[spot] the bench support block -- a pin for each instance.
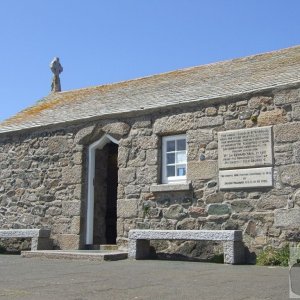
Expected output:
(139, 249)
(41, 243)
(233, 252)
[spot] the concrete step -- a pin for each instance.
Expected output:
(95, 255)
(108, 247)
(103, 247)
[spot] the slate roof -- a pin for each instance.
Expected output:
(200, 83)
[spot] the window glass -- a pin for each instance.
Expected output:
(181, 170)
(170, 146)
(170, 171)
(170, 158)
(180, 157)
(174, 158)
(181, 144)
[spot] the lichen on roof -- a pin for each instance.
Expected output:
(205, 82)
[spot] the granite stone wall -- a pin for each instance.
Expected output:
(41, 184)
(267, 216)
(43, 174)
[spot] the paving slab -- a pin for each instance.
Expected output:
(96, 255)
(42, 278)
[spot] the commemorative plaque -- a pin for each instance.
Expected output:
(245, 148)
(245, 178)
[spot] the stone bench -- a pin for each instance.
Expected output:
(139, 241)
(39, 237)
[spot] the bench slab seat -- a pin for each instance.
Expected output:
(39, 237)
(139, 241)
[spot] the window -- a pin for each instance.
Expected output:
(174, 159)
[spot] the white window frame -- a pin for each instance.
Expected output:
(171, 179)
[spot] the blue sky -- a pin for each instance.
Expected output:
(108, 41)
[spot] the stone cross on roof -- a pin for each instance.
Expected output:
(56, 69)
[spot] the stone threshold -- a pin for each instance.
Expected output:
(93, 255)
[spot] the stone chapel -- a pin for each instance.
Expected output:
(209, 147)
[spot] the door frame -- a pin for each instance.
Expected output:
(91, 176)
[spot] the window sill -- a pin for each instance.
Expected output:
(171, 187)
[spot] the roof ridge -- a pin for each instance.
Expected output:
(177, 70)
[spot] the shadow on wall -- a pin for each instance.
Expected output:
(202, 251)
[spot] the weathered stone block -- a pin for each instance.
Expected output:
(132, 189)
(117, 129)
(287, 97)
(187, 224)
(296, 152)
(82, 135)
(75, 225)
(209, 121)
(214, 198)
(72, 175)
(175, 211)
(198, 193)
(212, 145)
(136, 158)
(68, 241)
(127, 208)
(251, 228)
(71, 208)
(211, 111)
(218, 219)
(283, 148)
(58, 144)
(174, 124)
(54, 211)
(123, 154)
(272, 117)
(241, 103)
(196, 212)
(152, 157)
(203, 136)
(218, 209)
(5, 174)
(287, 217)
(38, 210)
(142, 124)
(258, 101)
(146, 175)
(206, 169)
(126, 175)
(296, 112)
(241, 205)
(289, 132)
(77, 158)
(271, 202)
(146, 142)
(120, 227)
(245, 113)
(283, 158)
(296, 197)
(290, 174)
(234, 124)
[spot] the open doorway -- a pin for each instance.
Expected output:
(105, 195)
(102, 192)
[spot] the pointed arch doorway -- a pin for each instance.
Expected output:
(101, 220)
